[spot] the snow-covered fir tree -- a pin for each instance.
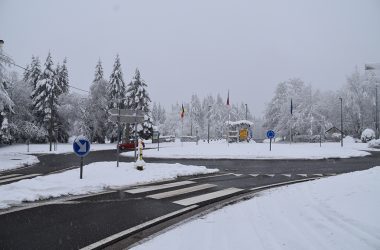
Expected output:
(116, 86)
(45, 100)
(138, 99)
(33, 72)
(116, 96)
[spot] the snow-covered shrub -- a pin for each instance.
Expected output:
(349, 139)
(367, 135)
(374, 144)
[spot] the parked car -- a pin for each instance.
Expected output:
(129, 145)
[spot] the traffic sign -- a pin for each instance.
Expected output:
(128, 119)
(270, 134)
(81, 146)
(126, 112)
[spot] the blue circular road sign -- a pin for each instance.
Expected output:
(81, 146)
(270, 134)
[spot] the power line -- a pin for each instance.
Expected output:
(11, 62)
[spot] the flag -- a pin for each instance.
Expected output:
(182, 112)
(228, 98)
(291, 106)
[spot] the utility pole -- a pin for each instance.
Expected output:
(341, 121)
(377, 114)
(51, 119)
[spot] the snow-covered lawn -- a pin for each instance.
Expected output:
(222, 150)
(340, 212)
(96, 178)
(16, 155)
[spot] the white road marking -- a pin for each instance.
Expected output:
(287, 175)
(254, 175)
(270, 175)
(212, 176)
(158, 187)
(8, 176)
(281, 183)
(209, 196)
(181, 191)
(19, 178)
(320, 175)
(332, 174)
(136, 228)
(304, 175)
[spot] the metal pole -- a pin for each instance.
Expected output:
(270, 144)
(81, 167)
(377, 115)
(118, 135)
(51, 121)
(136, 136)
(158, 141)
(341, 121)
(208, 125)
(246, 112)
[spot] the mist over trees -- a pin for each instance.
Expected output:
(314, 111)
(40, 105)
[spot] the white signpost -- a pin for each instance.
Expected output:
(126, 116)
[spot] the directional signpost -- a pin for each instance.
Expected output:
(270, 135)
(81, 146)
(126, 116)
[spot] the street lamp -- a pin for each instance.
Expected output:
(341, 121)
(368, 67)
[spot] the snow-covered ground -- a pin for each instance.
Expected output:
(340, 212)
(17, 155)
(96, 178)
(223, 150)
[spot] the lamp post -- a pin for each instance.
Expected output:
(370, 67)
(341, 121)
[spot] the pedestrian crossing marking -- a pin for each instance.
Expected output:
(181, 191)
(19, 178)
(304, 175)
(9, 176)
(208, 196)
(158, 187)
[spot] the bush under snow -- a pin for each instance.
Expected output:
(367, 135)
(374, 144)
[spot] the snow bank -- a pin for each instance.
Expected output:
(11, 160)
(222, 150)
(17, 155)
(374, 144)
(96, 177)
(340, 212)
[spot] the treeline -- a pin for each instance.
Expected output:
(314, 111)
(40, 106)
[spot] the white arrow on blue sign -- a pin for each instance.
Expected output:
(81, 146)
(270, 134)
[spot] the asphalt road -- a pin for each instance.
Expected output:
(76, 222)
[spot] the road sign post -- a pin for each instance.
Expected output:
(126, 116)
(270, 135)
(81, 147)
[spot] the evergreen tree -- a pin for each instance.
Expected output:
(45, 100)
(33, 72)
(63, 77)
(116, 96)
(138, 99)
(116, 87)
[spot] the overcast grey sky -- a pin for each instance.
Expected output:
(199, 46)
